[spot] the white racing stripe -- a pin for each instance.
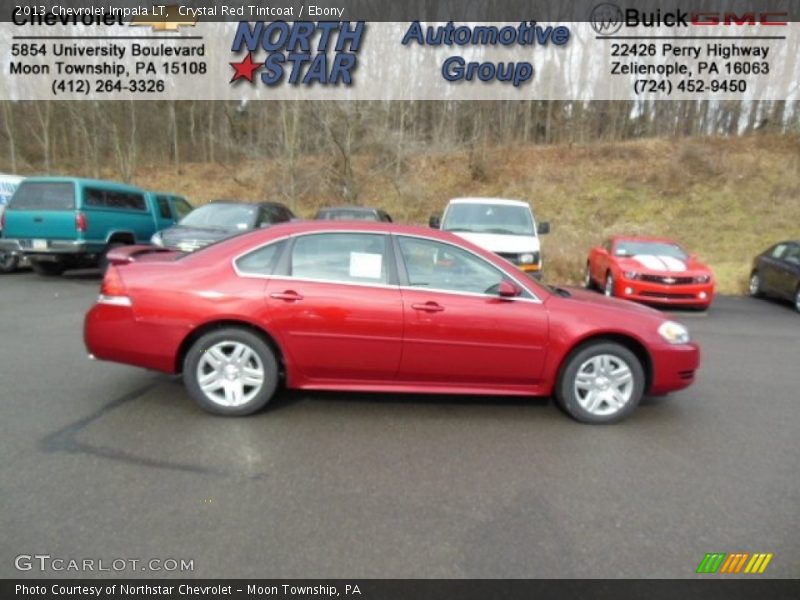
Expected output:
(660, 263)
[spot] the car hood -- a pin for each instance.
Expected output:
(659, 264)
(190, 238)
(616, 304)
(501, 243)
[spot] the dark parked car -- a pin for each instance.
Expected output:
(352, 213)
(776, 272)
(219, 220)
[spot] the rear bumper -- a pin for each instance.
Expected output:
(112, 333)
(674, 367)
(53, 248)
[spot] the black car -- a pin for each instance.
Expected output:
(776, 272)
(352, 213)
(218, 220)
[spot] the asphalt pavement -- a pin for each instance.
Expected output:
(104, 461)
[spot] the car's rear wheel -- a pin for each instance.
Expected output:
(601, 382)
(609, 288)
(797, 299)
(588, 282)
(754, 286)
(47, 268)
(231, 372)
(8, 262)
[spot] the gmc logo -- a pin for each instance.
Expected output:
(729, 18)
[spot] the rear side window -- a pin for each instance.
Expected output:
(261, 261)
(345, 257)
(113, 199)
(163, 207)
(43, 196)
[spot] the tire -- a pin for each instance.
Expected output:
(596, 398)
(588, 282)
(754, 285)
(48, 269)
(8, 262)
(608, 290)
(230, 390)
(797, 299)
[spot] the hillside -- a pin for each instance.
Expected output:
(724, 198)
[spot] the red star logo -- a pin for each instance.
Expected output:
(245, 69)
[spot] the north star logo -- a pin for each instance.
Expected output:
(298, 53)
(164, 18)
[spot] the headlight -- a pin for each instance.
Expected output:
(702, 279)
(631, 275)
(156, 239)
(526, 259)
(673, 332)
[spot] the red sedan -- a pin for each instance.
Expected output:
(651, 270)
(382, 308)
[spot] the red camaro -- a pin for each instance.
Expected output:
(652, 270)
(382, 308)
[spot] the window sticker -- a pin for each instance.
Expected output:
(368, 266)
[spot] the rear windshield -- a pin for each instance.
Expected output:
(43, 196)
(347, 215)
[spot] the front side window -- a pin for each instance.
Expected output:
(792, 255)
(163, 207)
(345, 257)
(439, 266)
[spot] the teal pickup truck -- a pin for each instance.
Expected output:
(61, 223)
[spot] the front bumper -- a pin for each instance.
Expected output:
(674, 367)
(695, 294)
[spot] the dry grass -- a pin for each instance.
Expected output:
(725, 199)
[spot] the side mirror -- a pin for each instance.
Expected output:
(508, 289)
(435, 222)
(543, 228)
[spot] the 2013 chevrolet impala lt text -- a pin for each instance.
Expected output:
(382, 308)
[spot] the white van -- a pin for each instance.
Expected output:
(505, 227)
(8, 185)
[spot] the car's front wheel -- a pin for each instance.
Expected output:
(601, 382)
(588, 282)
(231, 372)
(609, 289)
(754, 286)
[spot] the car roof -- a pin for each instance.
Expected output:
(643, 238)
(349, 208)
(478, 200)
(85, 181)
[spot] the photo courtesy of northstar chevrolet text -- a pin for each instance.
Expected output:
(367, 299)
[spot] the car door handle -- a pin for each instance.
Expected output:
(430, 307)
(288, 296)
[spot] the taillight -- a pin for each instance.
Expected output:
(80, 222)
(113, 289)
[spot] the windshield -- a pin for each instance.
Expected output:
(222, 216)
(489, 218)
(627, 248)
(43, 196)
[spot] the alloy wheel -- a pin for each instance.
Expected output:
(603, 385)
(230, 373)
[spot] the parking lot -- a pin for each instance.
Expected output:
(106, 461)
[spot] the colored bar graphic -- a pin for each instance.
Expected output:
(721, 562)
